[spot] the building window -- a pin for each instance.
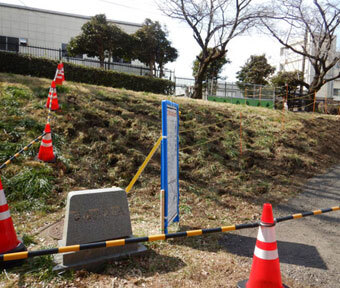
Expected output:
(3, 43)
(336, 92)
(9, 43)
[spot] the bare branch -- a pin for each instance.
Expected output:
(320, 20)
(214, 24)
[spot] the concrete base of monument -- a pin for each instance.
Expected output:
(96, 259)
(94, 216)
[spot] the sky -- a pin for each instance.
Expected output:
(239, 49)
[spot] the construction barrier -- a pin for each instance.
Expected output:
(52, 99)
(151, 238)
(46, 147)
(9, 241)
(50, 102)
(22, 150)
(60, 76)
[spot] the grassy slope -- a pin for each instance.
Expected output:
(102, 135)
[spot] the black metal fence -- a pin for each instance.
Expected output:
(62, 55)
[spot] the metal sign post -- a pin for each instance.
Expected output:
(170, 163)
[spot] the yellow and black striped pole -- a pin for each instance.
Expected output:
(21, 151)
(142, 167)
(151, 238)
(305, 214)
(51, 91)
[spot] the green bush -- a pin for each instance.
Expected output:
(41, 67)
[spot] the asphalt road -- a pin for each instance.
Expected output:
(309, 248)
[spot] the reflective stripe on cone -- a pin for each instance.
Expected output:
(46, 147)
(265, 270)
(55, 103)
(5, 215)
(8, 236)
(266, 255)
(60, 78)
(3, 200)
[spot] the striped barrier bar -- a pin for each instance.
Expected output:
(306, 214)
(151, 238)
(50, 103)
(50, 106)
(21, 151)
(49, 117)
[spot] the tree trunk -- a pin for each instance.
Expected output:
(313, 88)
(109, 62)
(101, 62)
(198, 86)
(161, 70)
(151, 67)
(101, 55)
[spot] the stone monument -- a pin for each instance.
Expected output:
(92, 216)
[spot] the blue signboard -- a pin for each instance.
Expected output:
(170, 163)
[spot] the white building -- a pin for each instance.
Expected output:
(336, 83)
(23, 28)
(291, 61)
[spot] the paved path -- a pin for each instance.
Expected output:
(309, 248)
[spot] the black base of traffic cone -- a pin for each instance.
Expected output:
(243, 284)
(9, 264)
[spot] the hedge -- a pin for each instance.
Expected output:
(42, 67)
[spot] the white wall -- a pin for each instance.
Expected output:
(44, 29)
(291, 61)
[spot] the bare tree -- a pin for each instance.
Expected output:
(308, 28)
(214, 23)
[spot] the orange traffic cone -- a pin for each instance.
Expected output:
(265, 271)
(52, 95)
(60, 78)
(46, 147)
(8, 238)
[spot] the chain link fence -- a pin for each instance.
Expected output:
(249, 94)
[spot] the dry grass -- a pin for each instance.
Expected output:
(102, 135)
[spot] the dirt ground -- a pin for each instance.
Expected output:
(219, 185)
(309, 249)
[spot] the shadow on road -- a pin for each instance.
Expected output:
(289, 252)
(288, 210)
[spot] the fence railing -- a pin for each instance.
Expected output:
(62, 55)
(184, 87)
